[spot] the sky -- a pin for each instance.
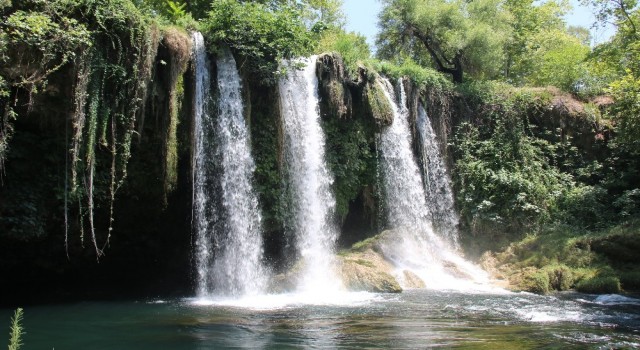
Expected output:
(362, 17)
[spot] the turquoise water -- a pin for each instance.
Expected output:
(413, 319)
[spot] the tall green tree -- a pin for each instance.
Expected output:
(456, 36)
(528, 20)
(622, 54)
(324, 13)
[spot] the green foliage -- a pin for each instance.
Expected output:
(630, 280)
(593, 262)
(502, 171)
(586, 206)
(619, 61)
(536, 281)
(457, 35)
(352, 47)
(268, 180)
(350, 158)
(529, 20)
(39, 42)
(626, 111)
(36, 40)
(376, 103)
(15, 337)
(109, 44)
(599, 285)
(556, 61)
(549, 278)
(262, 35)
(176, 10)
(561, 277)
(325, 14)
(423, 77)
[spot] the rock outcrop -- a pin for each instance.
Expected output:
(368, 271)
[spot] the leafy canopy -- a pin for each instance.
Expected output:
(453, 36)
(263, 35)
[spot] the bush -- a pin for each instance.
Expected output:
(536, 281)
(599, 285)
(560, 277)
(630, 280)
(263, 35)
(352, 47)
(418, 74)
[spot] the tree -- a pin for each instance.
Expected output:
(528, 19)
(581, 33)
(555, 58)
(457, 36)
(324, 13)
(622, 55)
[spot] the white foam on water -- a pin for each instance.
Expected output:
(287, 300)
(616, 299)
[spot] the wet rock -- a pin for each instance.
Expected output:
(331, 80)
(377, 104)
(411, 280)
(368, 271)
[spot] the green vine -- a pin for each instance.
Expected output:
(109, 92)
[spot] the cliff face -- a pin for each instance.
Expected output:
(44, 227)
(149, 249)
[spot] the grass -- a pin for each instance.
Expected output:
(563, 258)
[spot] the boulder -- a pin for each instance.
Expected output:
(368, 271)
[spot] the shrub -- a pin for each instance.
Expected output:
(560, 277)
(536, 281)
(630, 280)
(418, 74)
(352, 47)
(263, 35)
(599, 285)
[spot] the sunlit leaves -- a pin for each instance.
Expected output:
(261, 34)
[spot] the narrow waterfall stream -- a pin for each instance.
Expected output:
(229, 241)
(416, 246)
(312, 201)
(437, 182)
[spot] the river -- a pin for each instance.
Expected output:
(414, 319)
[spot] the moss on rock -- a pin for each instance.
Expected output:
(368, 271)
(376, 104)
(331, 83)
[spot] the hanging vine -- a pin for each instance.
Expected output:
(179, 46)
(111, 84)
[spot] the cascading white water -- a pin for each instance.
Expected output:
(226, 212)
(204, 210)
(415, 246)
(437, 183)
(312, 201)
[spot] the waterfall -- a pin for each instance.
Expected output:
(226, 212)
(436, 181)
(415, 246)
(312, 202)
